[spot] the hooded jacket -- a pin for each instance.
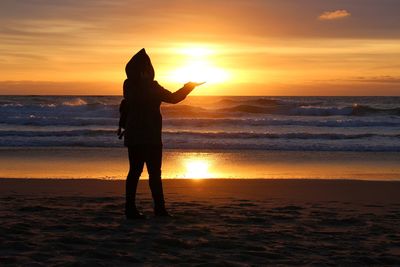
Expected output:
(140, 109)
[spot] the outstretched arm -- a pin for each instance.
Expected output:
(178, 96)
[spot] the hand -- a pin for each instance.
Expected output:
(120, 133)
(192, 85)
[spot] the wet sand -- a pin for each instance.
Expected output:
(112, 163)
(217, 222)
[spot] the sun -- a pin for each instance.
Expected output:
(199, 65)
(199, 71)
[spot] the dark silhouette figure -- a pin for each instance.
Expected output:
(141, 120)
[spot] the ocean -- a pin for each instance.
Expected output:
(215, 123)
(75, 137)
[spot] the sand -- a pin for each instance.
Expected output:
(47, 222)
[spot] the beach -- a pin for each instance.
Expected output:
(225, 222)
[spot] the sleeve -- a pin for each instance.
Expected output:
(123, 112)
(173, 98)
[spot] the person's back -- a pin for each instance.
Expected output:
(143, 121)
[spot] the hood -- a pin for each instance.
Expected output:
(140, 62)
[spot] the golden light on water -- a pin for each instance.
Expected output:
(197, 168)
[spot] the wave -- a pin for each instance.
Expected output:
(258, 101)
(250, 109)
(274, 121)
(206, 144)
(356, 110)
(299, 135)
(56, 121)
(82, 133)
(100, 106)
(367, 110)
(301, 107)
(190, 122)
(321, 111)
(74, 102)
(205, 135)
(279, 146)
(58, 101)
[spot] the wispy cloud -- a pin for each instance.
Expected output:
(379, 79)
(334, 15)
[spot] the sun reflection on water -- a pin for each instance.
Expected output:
(197, 168)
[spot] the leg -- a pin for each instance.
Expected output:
(136, 163)
(153, 163)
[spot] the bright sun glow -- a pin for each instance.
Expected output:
(199, 66)
(197, 169)
(196, 51)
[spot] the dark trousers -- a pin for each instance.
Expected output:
(138, 156)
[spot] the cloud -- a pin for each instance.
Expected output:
(334, 15)
(379, 79)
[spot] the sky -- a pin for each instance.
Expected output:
(248, 47)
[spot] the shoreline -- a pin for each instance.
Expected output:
(145, 179)
(252, 189)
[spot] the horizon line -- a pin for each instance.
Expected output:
(94, 95)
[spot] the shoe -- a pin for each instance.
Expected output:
(162, 213)
(134, 214)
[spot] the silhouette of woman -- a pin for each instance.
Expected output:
(141, 118)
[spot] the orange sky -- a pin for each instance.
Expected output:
(286, 47)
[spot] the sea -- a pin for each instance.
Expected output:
(210, 122)
(256, 137)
